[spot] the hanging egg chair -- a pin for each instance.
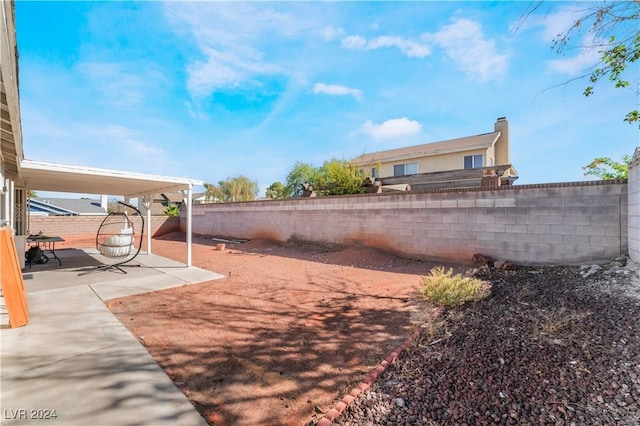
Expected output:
(118, 239)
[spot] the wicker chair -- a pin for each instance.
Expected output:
(117, 239)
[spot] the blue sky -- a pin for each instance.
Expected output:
(211, 90)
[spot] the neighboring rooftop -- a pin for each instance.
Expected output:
(482, 141)
(65, 206)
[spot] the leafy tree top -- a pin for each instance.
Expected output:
(605, 168)
(613, 30)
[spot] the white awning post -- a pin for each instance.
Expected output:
(146, 202)
(189, 224)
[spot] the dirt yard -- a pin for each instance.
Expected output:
(284, 336)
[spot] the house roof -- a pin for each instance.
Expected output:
(67, 206)
(468, 143)
(41, 176)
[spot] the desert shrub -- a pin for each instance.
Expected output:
(443, 288)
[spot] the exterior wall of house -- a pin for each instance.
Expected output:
(490, 158)
(634, 207)
(432, 163)
(493, 156)
(82, 227)
(565, 223)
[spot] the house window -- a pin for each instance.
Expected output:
(374, 172)
(473, 161)
(405, 169)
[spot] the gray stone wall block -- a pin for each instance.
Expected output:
(515, 229)
(466, 203)
(589, 230)
(469, 225)
(491, 227)
(538, 229)
(550, 220)
(485, 218)
(612, 252)
(540, 248)
(577, 220)
(505, 202)
(551, 202)
(505, 219)
(564, 250)
(604, 200)
(576, 239)
(614, 230)
(526, 201)
(485, 236)
(563, 229)
(450, 218)
(590, 252)
(577, 201)
(489, 202)
(450, 234)
(605, 241)
(549, 239)
(530, 219)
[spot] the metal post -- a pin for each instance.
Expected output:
(189, 224)
(146, 202)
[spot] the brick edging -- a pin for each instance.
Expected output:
(367, 382)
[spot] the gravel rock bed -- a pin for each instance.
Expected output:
(550, 345)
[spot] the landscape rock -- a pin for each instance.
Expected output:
(562, 348)
(481, 260)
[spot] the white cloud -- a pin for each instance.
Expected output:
(337, 90)
(411, 48)
(330, 33)
(390, 129)
(466, 45)
(576, 65)
(130, 142)
(230, 37)
(554, 24)
(119, 84)
(463, 41)
(354, 42)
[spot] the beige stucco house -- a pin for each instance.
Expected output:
(484, 150)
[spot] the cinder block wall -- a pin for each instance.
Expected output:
(87, 226)
(634, 207)
(566, 223)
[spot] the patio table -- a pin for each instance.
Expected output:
(48, 244)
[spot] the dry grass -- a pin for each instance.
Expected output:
(444, 288)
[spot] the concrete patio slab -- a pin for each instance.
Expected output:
(63, 324)
(177, 277)
(190, 274)
(76, 358)
(116, 385)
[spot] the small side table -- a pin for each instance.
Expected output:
(48, 244)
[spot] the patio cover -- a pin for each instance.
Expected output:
(41, 176)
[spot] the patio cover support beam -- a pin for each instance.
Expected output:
(146, 202)
(189, 223)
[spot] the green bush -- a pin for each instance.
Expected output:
(172, 210)
(444, 288)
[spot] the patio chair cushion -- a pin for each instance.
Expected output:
(118, 245)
